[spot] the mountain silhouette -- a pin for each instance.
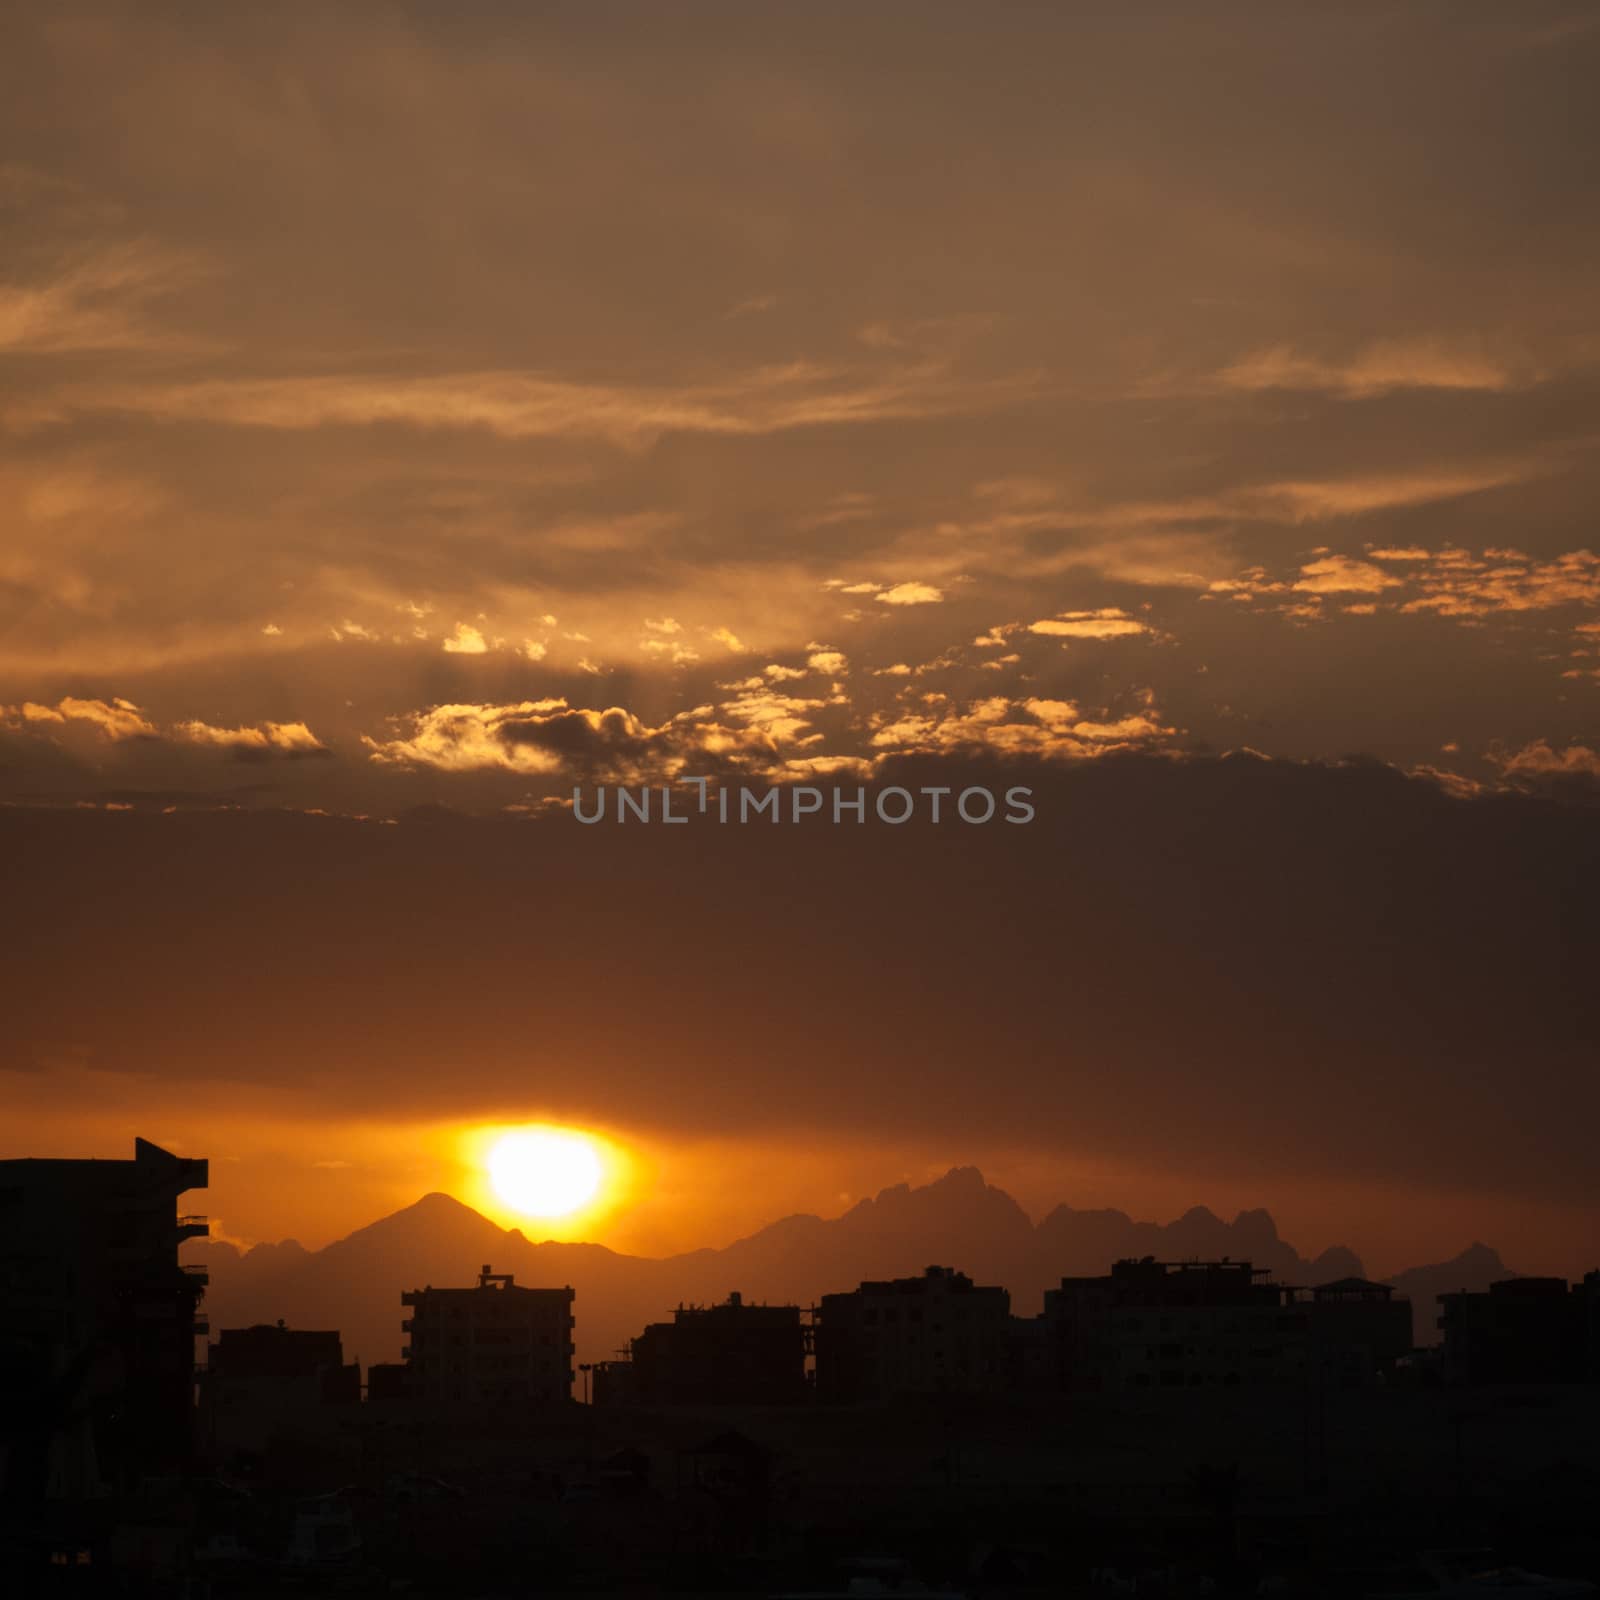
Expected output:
(959, 1220)
(1475, 1268)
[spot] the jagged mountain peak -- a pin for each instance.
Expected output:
(958, 1178)
(1337, 1262)
(1256, 1221)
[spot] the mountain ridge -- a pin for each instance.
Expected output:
(354, 1283)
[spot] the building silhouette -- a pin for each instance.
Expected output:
(1522, 1330)
(500, 1343)
(934, 1334)
(728, 1354)
(388, 1381)
(98, 1320)
(1360, 1330)
(270, 1351)
(262, 1380)
(1188, 1324)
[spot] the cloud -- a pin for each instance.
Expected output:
(1459, 584)
(530, 736)
(781, 719)
(1449, 582)
(1342, 575)
(831, 661)
(1156, 885)
(98, 301)
(292, 739)
(673, 649)
(466, 641)
(1381, 367)
(1319, 500)
(531, 405)
(1540, 761)
(1051, 729)
(996, 637)
(910, 594)
(116, 720)
(122, 722)
(895, 594)
(1107, 623)
(1251, 584)
(548, 738)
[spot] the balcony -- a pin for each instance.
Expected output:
(195, 1272)
(193, 1228)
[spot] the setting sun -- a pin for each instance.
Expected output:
(545, 1172)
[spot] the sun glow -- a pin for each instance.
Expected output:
(545, 1172)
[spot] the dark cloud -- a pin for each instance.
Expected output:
(1248, 965)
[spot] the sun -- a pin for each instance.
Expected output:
(545, 1172)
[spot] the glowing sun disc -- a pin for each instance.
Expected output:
(545, 1174)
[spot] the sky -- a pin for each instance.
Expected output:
(409, 414)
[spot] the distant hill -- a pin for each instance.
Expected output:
(354, 1284)
(1475, 1268)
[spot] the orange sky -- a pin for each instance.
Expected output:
(502, 399)
(276, 1176)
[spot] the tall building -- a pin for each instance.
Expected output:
(1187, 1324)
(98, 1319)
(497, 1344)
(728, 1354)
(934, 1334)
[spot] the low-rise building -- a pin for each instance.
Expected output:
(260, 1381)
(1520, 1330)
(1187, 1324)
(939, 1333)
(500, 1343)
(734, 1353)
(1360, 1330)
(388, 1381)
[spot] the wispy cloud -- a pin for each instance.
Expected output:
(1382, 366)
(97, 299)
(523, 405)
